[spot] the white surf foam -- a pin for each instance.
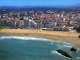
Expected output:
(55, 52)
(67, 46)
(29, 38)
(23, 38)
(63, 42)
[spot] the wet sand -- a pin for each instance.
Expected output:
(70, 37)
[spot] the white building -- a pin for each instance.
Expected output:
(27, 23)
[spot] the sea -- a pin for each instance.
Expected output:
(32, 48)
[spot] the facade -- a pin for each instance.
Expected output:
(21, 23)
(72, 22)
(9, 23)
(51, 25)
(27, 24)
(61, 28)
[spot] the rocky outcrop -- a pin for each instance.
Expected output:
(73, 49)
(64, 53)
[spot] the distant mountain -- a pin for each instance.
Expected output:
(56, 7)
(74, 6)
(78, 5)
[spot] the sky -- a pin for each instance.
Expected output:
(37, 2)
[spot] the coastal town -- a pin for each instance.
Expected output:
(38, 19)
(40, 30)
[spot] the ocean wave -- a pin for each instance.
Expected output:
(34, 38)
(23, 38)
(55, 52)
(67, 46)
(64, 44)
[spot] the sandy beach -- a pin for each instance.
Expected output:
(70, 37)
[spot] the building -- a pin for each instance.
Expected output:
(9, 23)
(51, 24)
(21, 23)
(27, 23)
(61, 28)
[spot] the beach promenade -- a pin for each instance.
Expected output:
(70, 37)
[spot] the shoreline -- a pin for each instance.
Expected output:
(69, 37)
